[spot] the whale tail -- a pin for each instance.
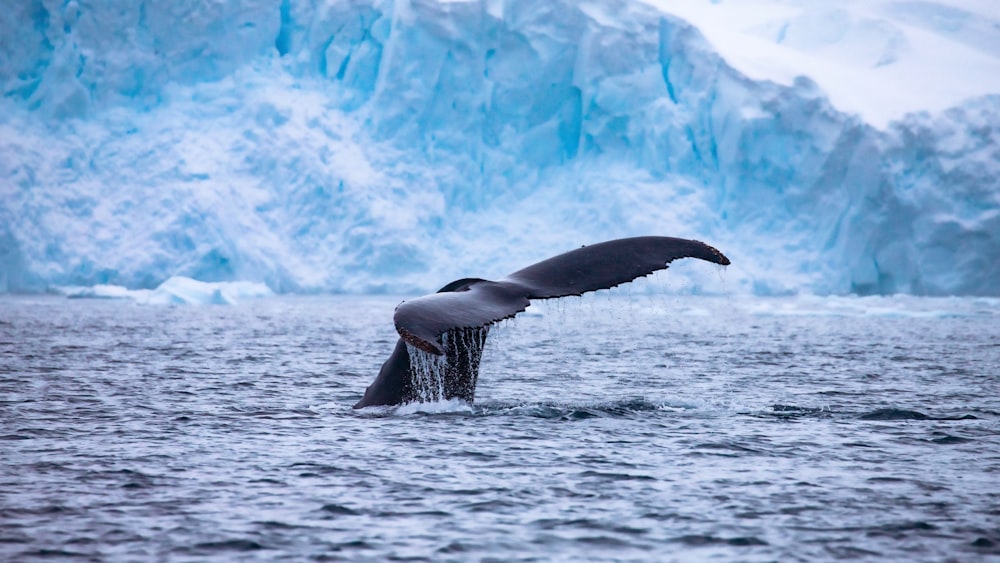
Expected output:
(454, 322)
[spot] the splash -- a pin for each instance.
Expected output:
(450, 407)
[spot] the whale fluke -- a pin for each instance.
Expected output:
(454, 321)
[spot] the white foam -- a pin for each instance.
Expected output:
(451, 406)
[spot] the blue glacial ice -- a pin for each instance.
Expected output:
(380, 146)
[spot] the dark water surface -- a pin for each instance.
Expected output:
(609, 428)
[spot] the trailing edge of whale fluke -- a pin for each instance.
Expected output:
(454, 321)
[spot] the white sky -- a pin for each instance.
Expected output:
(878, 58)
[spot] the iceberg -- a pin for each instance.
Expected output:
(101, 291)
(388, 146)
(177, 290)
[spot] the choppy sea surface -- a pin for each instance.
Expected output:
(612, 427)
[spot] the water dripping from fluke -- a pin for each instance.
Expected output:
(453, 375)
(427, 373)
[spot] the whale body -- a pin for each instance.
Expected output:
(446, 331)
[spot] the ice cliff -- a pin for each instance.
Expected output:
(393, 146)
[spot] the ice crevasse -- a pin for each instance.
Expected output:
(380, 146)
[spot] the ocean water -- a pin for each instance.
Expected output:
(610, 427)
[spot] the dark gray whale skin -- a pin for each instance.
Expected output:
(455, 321)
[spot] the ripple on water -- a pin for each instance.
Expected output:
(141, 433)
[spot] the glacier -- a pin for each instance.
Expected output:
(391, 146)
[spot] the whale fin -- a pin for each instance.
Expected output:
(473, 302)
(608, 264)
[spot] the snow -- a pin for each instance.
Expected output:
(881, 59)
(380, 146)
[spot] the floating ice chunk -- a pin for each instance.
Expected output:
(180, 290)
(103, 291)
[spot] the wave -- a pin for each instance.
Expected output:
(632, 407)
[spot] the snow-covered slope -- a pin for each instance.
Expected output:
(393, 146)
(880, 59)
